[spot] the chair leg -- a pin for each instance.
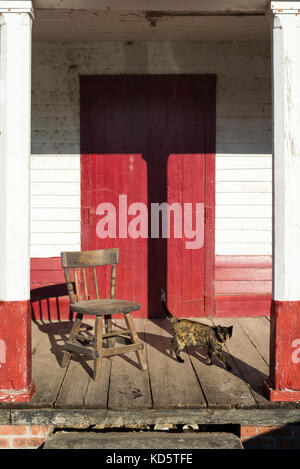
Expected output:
(75, 329)
(98, 347)
(108, 328)
(140, 353)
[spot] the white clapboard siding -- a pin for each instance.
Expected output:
(248, 148)
(243, 123)
(55, 238)
(54, 188)
(55, 214)
(50, 97)
(61, 148)
(54, 201)
(51, 124)
(244, 249)
(243, 198)
(237, 110)
(243, 162)
(248, 224)
(54, 110)
(243, 136)
(55, 175)
(243, 236)
(51, 250)
(245, 186)
(46, 226)
(244, 175)
(54, 162)
(239, 211)
(61, 136)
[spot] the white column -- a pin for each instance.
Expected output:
(15, 129)
(286, 150)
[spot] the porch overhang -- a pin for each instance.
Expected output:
(194, 6)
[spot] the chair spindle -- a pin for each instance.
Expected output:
(96, 283)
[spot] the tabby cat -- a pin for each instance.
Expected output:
(186, 332)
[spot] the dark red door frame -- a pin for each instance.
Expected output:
(207, 82)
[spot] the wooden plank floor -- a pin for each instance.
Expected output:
(167, 384)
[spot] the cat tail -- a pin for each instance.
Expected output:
(164, 303)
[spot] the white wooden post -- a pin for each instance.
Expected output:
(284, 383)
(15, 129)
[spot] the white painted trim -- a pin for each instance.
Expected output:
(285, 7)
(15, 109)
(13, 6)
(286, 151)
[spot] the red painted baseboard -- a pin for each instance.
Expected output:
(276, 395)
(243, 275)
(285, 347)
(243, 305)
(243, 287)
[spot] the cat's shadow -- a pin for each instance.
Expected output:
(240, 368)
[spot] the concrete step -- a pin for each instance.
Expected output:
(142, 440)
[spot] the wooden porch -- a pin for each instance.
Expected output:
(169, 391)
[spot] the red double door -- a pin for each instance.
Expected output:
(146, 140)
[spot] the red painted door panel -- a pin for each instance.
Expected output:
(146, 138)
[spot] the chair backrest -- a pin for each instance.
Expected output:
(81, 260)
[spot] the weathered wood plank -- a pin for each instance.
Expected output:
(83, 418)
(173, 384)
(46, 370)
(35, 335)
(129, 385)
(249, 362)
(222, 389)
(74, 386)
(258, 331)
(97, 391)
(142, 440)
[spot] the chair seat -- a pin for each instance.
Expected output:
(102, 307)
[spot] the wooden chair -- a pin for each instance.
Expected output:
(80, 261)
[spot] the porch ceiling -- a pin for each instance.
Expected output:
(215, 6)
(133, 25)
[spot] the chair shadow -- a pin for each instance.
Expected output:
(58, 333)
(50, 302)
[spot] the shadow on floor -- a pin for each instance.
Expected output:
(58, 333)
(254, 377)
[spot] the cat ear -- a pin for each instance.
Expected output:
(230, 330)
